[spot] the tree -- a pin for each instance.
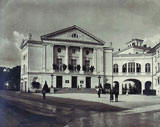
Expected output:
(36, 85)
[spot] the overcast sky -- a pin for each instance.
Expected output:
(116, 21)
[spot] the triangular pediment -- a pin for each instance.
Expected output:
(73, 34)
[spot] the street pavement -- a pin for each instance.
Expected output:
(29, 110)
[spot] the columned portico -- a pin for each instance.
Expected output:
(67, 55)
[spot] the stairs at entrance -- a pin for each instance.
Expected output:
(75, 90)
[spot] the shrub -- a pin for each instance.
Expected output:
(55, 67)
(70, 67)
(149, 92)
(92, 69)
(35, 84)
(64, 67)
(78, 68)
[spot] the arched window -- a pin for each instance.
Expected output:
(124, 68)
(138, 67)
(131, 67)
(115, 68)
(147, 67)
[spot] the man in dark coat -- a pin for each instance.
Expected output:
(44, 90)
(116, 95)
(111, 95)
(99, 90)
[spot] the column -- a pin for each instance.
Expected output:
(49, 58)
(53, 59)
(81, 59)
(94, 60)
(67, 58)
(120, 87)
(44, 58)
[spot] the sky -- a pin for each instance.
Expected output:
(116, 21)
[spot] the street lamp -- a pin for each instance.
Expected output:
(52, 80)
(99, 77)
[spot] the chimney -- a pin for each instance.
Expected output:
(30, 36)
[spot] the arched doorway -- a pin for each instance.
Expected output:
(116, 85)
(148, 85)
(134, 86)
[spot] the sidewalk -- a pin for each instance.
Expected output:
(125, 101)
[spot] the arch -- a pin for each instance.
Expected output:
(116, 86)
(115, 68)
(147, 67)
(148, 85)
(124, 68)
(135, 87)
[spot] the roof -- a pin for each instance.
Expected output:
(53, 34)
(24, 43)
(135, 39)
(137, 47)
(154, 48)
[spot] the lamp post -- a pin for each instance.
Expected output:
(99, 77)
(52, 80)
(52, 89)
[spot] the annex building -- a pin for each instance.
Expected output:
(137, 67)
(67, 58)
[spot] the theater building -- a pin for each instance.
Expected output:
(67, 58)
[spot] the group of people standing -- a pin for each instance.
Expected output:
(113, 92)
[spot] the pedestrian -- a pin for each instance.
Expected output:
(44, 94)
(99, 92)
(116, 95)
(44, 90)
(111, 95)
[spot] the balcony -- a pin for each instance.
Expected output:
(73, 68)
(59, 67)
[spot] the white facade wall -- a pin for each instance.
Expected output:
(41, 58)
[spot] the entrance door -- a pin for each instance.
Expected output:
(74, 82)
(59, 82)
(88, 82)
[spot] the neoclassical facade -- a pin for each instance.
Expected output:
(72, 58)
(136, 67)
(67, 58)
